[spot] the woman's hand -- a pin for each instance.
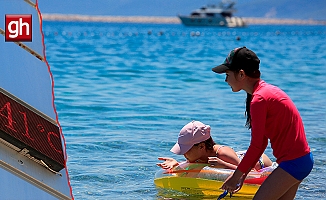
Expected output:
(234, 182)
(168, 163)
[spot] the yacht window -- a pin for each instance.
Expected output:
(195, 14)
(226, 14)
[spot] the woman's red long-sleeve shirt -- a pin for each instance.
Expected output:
(275, 117)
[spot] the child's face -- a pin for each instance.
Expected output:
(231, 79)
(194, 153)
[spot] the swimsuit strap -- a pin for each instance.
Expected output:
(241, 154)
(261, 162)
(219, 149)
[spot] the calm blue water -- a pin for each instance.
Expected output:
(123, 92)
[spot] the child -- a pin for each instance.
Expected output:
(272, 115)
(197, 145)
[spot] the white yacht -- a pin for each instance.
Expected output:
(213, 15)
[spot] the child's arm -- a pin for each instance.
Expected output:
(219, 163)
(228, 155)
(168, 163)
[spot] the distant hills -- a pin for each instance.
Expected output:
(290, 9)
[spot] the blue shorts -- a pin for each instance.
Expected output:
(300, 167)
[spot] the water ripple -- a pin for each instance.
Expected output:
(123, 92)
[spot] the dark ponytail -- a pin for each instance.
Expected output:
(247, 113)
(251, 74)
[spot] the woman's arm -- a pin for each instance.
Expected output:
(259, 141)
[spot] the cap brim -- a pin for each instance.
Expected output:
(180, 149)
(220, 69)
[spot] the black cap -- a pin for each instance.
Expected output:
(239, 58)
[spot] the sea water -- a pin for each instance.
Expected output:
(123, 92)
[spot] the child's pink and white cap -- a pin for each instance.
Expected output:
(192, 133)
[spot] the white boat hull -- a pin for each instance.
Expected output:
(212, 21)
(203, 21)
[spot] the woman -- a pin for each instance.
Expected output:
(272, 115)
(197, 145)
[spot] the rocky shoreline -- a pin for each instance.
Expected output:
(170, 20)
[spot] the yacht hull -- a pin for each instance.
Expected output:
(203, 21)
(212, 21)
